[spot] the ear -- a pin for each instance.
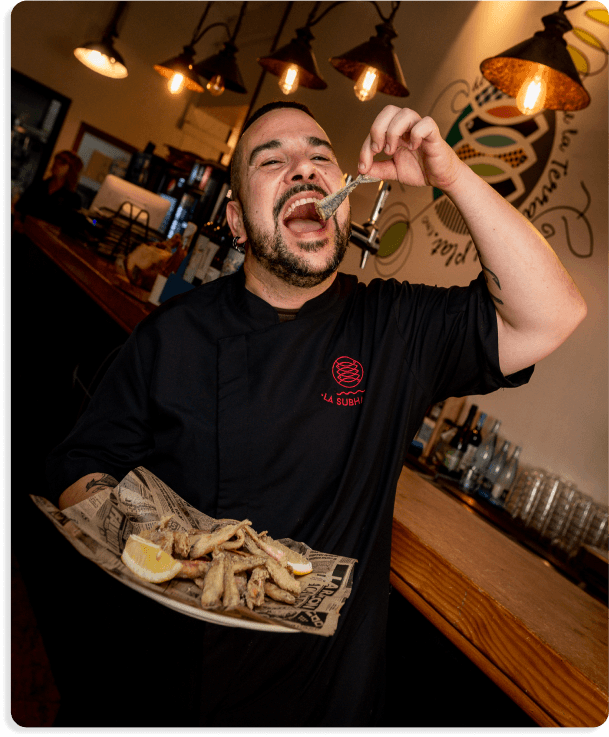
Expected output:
(234, 216)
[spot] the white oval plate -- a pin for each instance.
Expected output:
(213, 617)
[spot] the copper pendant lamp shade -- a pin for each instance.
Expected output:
(223, 64)
(182, 64)
(378, 53)
(544, 54)
(298, 52)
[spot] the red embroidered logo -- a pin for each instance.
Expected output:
(347, 372)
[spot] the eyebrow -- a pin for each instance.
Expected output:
(275, 143)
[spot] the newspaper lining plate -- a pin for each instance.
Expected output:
(99, 526)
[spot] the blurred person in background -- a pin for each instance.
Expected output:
(53, 199)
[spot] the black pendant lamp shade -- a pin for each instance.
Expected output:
(299, 53)
(101, 56)
(223, 64)
(182, 64)
(378, 53)
(544, 54)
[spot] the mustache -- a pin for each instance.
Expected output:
(296, 189)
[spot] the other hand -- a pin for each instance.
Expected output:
(419, 154)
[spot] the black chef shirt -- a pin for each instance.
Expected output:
(300, 427)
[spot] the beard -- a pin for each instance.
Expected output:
(272, 252)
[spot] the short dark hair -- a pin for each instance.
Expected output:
(235, 165)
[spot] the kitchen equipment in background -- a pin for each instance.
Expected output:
(147, 169)
(120, 196)
(195, 190)
(366, 236)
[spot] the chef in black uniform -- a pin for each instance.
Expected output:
(288, 392)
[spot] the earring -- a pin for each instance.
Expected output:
(240, 248)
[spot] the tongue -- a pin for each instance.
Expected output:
(303, 226)
(303, 219)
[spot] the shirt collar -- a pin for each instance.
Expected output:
(255, 307)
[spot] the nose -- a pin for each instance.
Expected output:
(302, 169)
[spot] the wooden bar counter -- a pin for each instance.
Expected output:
(533, 632)
(95, 275)
(537, 635)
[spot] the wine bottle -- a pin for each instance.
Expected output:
(493, 471)
(482, 457)
(222, 237)
(456, 447)
(501, 487)
(472, 443)
(198, 253)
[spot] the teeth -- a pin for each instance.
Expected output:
(298, 203)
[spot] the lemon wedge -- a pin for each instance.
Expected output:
(296, 562)
(299, 569)
(148, 561)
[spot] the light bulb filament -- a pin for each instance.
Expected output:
(289, 79)
(367, 83)
(532, 95)
(216, 85)
(176, 83)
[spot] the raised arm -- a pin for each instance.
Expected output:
(85, 487)
(538, 306)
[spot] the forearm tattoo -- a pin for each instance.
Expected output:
(495, 279)
(105, 480)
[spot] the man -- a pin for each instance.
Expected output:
(287, 392)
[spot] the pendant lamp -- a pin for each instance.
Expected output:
(374, 65)
(221, 69)
(179, 70)
(295, 64)
(540, 72)
(101, 56)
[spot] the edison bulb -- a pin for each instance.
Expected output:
(216, 85)
(288, 81)
(532, 96)
(176, 83)
(366, 85)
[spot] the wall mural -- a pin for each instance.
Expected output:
(518, 155)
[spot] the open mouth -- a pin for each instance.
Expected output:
(302, 217)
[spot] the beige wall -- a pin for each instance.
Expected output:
(560, 418)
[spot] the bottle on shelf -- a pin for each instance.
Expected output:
(445, 434)
(222, 237)
(493, 471)
(482, 457)
(505, 481)
(199, 253)
(233, 261)
(472, 443)
(457, 445)
(182, 246)
(425, 432)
